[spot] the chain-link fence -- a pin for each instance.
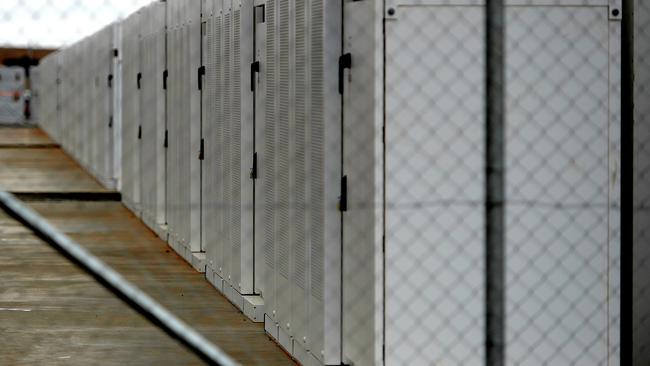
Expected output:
(384, 182)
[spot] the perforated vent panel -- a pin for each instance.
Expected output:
(282, 177)
(269, 140)
(300, 237)
(317, 150)
(235, 209)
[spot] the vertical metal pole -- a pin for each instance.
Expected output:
(627, 182)
(495, 183)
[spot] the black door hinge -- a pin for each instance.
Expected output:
(345, 62)
(110, 80)
(139, 132)
(201, 72)
(254, 168)
(139, 79)
(255, 68)
(202, 151)
(165, 75)
(343, 199)
(166, 142)
(115, 52)
(110, 122)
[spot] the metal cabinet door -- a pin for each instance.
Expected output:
(265, 151)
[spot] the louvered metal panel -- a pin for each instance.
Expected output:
(228, 134)
(183, 166)
(244, 152)
(265, 126)
(214, 161)
(299, 147)
(299, 215)
(211, 106)
(193, 15)
(152, 164)
(226, 172)
(282, 173)
(326, 332)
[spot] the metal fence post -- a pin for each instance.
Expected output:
(495, 183)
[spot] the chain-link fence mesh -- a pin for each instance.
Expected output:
(367, 222)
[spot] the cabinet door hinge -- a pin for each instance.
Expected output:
(202, 150)
(110, 122)
(110, 81)
(166, 141)
(139, 80)
(343, 198)
(345, 62)
(254, 168)
(139, 132)
(165, 75)
(201, 72)
(255, 68)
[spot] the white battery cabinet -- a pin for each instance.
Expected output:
(561, 235)
(79, 105)
(116, 104)
(298, 149)
(131, 124)
(46, 94)
(152, 116)
(100, 135)
(74, 84)
(228, 135)
(184, 152)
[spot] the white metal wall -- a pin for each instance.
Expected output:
(152, 115)
(450, 226)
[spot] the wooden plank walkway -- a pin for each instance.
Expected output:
(52, 313)
(24, 137)
(31, 162)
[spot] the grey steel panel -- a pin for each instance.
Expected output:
(568, 229)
